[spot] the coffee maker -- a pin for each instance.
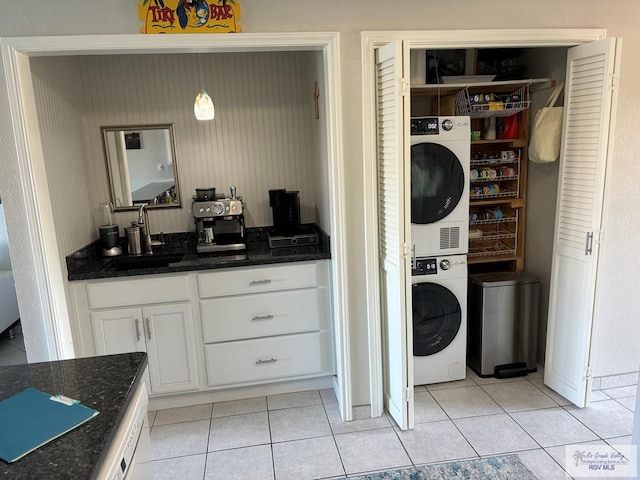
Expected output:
(219, 223)
(287, 230)
(285, 209)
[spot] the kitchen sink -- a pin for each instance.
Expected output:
(136, 262)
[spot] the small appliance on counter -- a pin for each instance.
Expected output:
(287, 231)
(219, 222)
(109, 232)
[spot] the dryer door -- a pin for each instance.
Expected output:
(437, 318)
(437, 182)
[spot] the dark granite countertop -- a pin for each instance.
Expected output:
(178, 254)
(103, 383)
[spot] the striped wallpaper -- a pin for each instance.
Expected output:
(264, 135)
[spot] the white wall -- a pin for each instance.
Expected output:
(143, 163)
(5, 260)
(542, 185)
(617, 351)
(59, 98)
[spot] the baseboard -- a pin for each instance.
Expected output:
(161, 402)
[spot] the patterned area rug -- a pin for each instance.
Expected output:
(494, 468)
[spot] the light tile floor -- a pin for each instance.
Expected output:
(12, 351)
(300, 436)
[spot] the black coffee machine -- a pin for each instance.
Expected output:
(287, 230)
(285, 206)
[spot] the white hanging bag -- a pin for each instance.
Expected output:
(546, 134)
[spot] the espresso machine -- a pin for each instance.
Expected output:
(219, 223)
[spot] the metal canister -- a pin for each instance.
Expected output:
(133, 239)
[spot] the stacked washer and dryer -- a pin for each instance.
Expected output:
(440, 159)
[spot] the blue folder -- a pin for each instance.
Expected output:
(32, 418)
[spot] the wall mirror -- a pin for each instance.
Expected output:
(141, 164)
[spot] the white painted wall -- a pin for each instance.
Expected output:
(5, 260)
(542, 185)
(617, 351)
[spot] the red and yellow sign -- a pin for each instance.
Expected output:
(189, 16)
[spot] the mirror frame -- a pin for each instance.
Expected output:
(160, 126)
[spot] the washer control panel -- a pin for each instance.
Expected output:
(452, 266)
(425, 266)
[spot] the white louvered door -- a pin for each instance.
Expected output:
(589, 99)
(393, 211)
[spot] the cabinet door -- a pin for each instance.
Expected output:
(170, 341)
(118, 331)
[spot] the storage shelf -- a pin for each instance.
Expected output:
(492, 237)
(505, 194)
(498, 140)
(491, 259)
(510, 202)
(500, 248)
(495, 179)
(487, 162)
(488, 109)
(449, 88)
(492, 221)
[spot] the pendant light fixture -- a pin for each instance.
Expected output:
(203, 106)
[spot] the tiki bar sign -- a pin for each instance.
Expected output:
(189, 16)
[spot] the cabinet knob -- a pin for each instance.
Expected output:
(148, 328)
(137, 330)
(262, 317)
(260, 282)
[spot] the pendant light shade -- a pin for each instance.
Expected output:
(203, 106)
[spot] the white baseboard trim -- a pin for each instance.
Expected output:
(161, 402)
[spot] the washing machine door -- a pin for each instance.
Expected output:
(437, 182)
(437, 318)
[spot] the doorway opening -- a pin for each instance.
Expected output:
(371, 41)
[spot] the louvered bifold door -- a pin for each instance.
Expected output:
(589, 101)
(392, 218)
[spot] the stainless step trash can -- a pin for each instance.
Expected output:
(502, 335)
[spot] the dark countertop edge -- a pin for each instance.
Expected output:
(81, 452)
(194, 268)
(123, 410)
(86, 264)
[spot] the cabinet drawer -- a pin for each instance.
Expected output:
(263, 359)
(256, 280)
(121, 293)
(261, 315)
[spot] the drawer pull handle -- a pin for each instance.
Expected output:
(260, 282)
(266, 360)
(262, 317)
(137, 330)
(148, 328)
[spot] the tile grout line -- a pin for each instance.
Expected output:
(206, 451)
(333, 435)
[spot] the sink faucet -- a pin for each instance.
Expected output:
(145, 231)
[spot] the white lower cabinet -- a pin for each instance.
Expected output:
(165, 332)
(261, 324)
(242, 326)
